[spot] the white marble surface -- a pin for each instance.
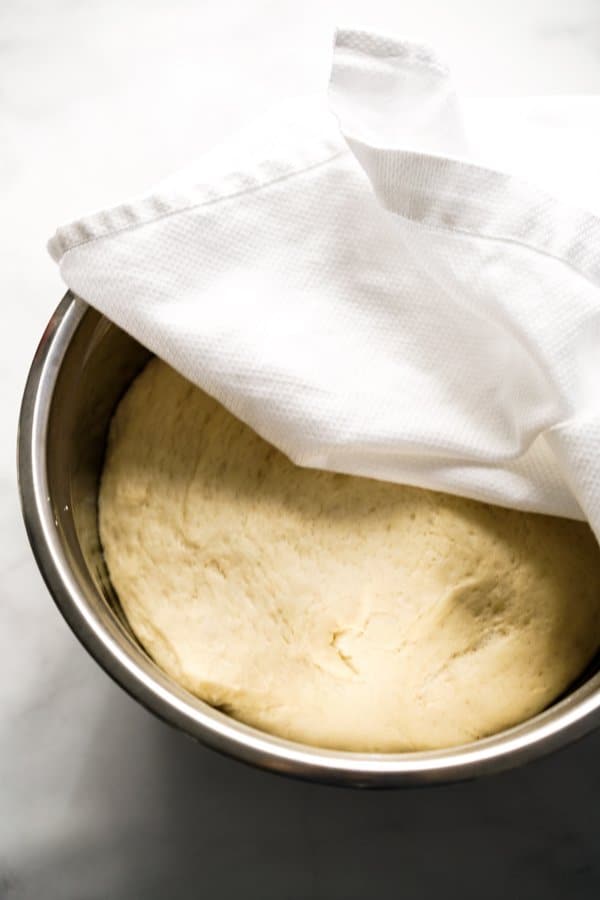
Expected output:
(98, 799)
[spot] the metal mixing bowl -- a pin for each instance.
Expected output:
(81, 369)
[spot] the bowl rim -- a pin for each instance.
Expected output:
(571, 718)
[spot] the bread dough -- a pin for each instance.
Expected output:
(338, 611)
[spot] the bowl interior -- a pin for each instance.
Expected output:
(97, 369)
(78, 380)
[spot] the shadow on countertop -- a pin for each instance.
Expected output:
(158, 817)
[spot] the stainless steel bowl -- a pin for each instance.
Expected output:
(82, 367)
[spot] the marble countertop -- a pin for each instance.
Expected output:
(99, 800)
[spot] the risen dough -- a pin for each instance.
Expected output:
(333, 610)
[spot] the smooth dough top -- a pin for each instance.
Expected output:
(339, 611)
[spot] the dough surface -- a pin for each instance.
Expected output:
(334, 610)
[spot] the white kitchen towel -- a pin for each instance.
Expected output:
(372, 297)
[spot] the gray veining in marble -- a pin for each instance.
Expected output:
(98, 800)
